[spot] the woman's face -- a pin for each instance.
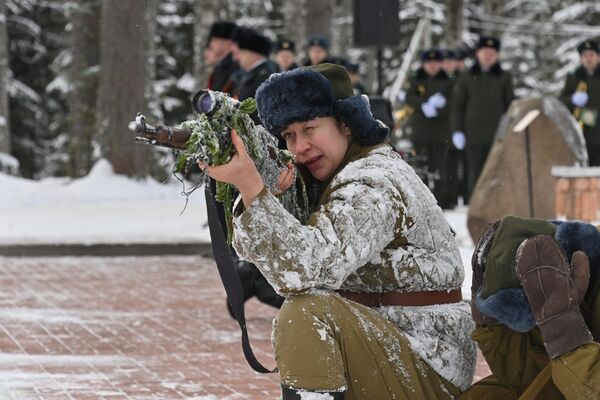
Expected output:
(319, 144)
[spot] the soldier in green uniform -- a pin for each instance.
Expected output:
(480, 97)
(536, 303)
(372, 279)
(581, 94)
(428, 93)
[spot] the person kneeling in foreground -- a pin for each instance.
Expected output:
(536, 303)
(375, 236)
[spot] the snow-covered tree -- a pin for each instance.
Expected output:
(84, 53)
(36, 40)
(4, 70)
(121, 85)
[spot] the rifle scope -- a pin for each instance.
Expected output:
(205, 102)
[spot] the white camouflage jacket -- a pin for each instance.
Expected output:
(378, 229)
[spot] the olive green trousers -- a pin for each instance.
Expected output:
(522, 370)
(326, 343)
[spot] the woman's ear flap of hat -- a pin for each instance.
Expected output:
(355, 113)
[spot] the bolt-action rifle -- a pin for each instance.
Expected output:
(207, 138)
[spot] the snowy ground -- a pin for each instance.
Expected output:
(106, 208)
(99, 208)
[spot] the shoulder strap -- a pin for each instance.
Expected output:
(230, 278)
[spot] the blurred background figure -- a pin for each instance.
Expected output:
(450, 62)
(581, 93)
(285, 55)
(428, 94)
(356, 78)
(252, 53)
(218, 54)
(480, 97)
(461, 56)
(318, 51)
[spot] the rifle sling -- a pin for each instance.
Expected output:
(230, 279)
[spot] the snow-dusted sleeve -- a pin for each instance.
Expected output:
(360, 219)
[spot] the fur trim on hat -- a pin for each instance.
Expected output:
(577, 235)
(250, 39)
(355, 112)
(510, 307)
(293, 96)
(302, 95)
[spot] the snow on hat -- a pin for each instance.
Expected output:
(249, 39)
(322, 90)
(588, 45)
(222, 29)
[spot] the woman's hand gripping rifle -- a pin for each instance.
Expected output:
(207, 139)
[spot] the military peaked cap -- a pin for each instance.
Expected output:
(588, 45)
(488, 41)
(320, 41)
(431, 55)
(285, 45)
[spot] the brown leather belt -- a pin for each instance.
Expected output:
(428, 298)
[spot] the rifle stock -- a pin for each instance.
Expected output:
(164, 136)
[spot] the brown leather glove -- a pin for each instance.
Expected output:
(477, 263)
(554, 290)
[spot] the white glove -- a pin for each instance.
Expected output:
(401, 97)
(579, 99)
(438, 100)
(459, 140)
(429, 110)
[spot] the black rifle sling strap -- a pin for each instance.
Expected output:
(230, 278)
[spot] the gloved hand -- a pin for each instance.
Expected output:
(579, 99)
(438, 100)
(554, 289)
(401, 96)
(429, 110)
(459, 140)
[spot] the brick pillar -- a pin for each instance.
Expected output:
(577, 192)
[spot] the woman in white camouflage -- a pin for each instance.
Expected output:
(372, 281)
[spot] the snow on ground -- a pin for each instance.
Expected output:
(107, 208)
(99, 208)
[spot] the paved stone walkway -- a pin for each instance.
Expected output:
(126, 328)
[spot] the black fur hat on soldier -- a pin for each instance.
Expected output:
(249, 39)
(222, 29)
(322, 90)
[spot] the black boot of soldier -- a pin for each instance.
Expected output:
(293, 394)
(266, 293)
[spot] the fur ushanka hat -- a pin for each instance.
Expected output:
(322, 90)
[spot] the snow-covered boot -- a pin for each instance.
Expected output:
(554, 290)
(294, 394)
(478, 264)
